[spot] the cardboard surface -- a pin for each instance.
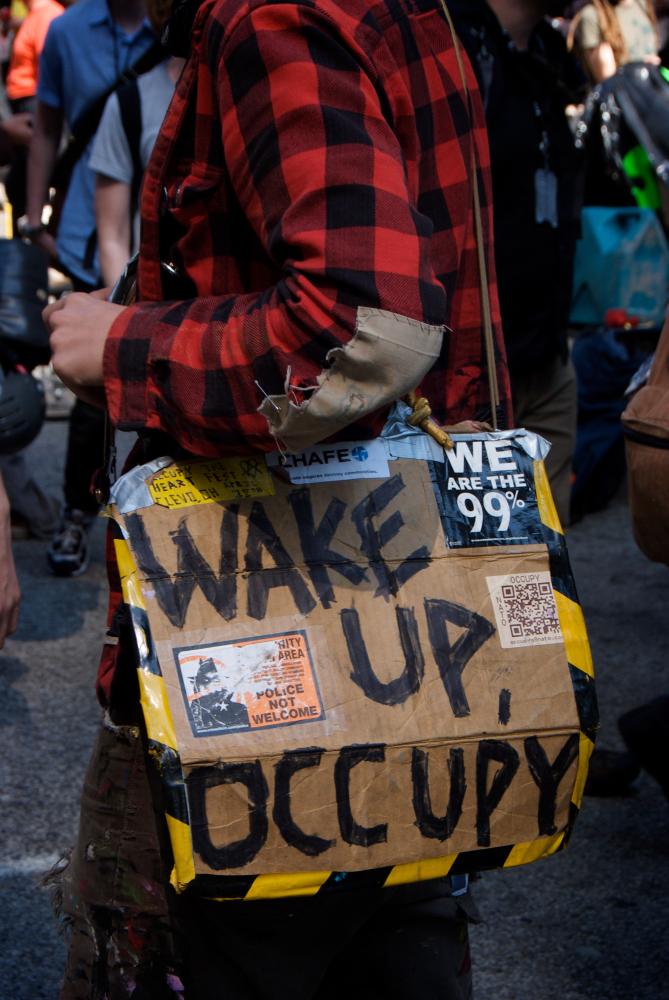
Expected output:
(347, 690)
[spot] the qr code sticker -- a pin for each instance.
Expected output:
(525, 609)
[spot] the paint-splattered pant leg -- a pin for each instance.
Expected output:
(114, 899)
(406, 942)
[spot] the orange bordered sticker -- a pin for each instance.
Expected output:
(244, 684)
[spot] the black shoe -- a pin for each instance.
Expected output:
(644, 730)
(68, 552)
(611, 773)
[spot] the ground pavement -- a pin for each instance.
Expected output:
(589, 924)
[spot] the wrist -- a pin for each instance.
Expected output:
(28, 229)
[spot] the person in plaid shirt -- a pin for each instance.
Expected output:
(307, 256)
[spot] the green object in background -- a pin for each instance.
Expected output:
(641, 175)
(642, 178)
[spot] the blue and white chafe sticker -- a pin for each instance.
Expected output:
(330, 463)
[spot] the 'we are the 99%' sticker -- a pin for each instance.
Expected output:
(488, 495)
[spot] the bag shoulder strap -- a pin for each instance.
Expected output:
(86, 124)
(130, 107)
(486, 309)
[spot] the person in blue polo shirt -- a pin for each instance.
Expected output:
(86, 50)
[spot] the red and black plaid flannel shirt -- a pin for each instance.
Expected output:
(316, 157)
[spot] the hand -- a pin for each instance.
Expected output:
(79, 324)
(19, 128)
(10, 594)
(469, 427)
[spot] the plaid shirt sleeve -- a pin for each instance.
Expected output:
(321, 177)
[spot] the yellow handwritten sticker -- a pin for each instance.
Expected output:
(192, 483)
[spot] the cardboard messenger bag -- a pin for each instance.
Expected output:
(366, 663)
(362, 663)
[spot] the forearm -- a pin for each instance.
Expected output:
(112, 214)
(9, 585)
(6, 148)
(197, 382)
(4, 502)
(41, 160)
(243, 371)
(114, 256)
(600, 62)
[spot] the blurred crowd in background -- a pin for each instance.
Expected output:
(576, 98)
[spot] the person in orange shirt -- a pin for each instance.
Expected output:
(21, 82)
(21, 87)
